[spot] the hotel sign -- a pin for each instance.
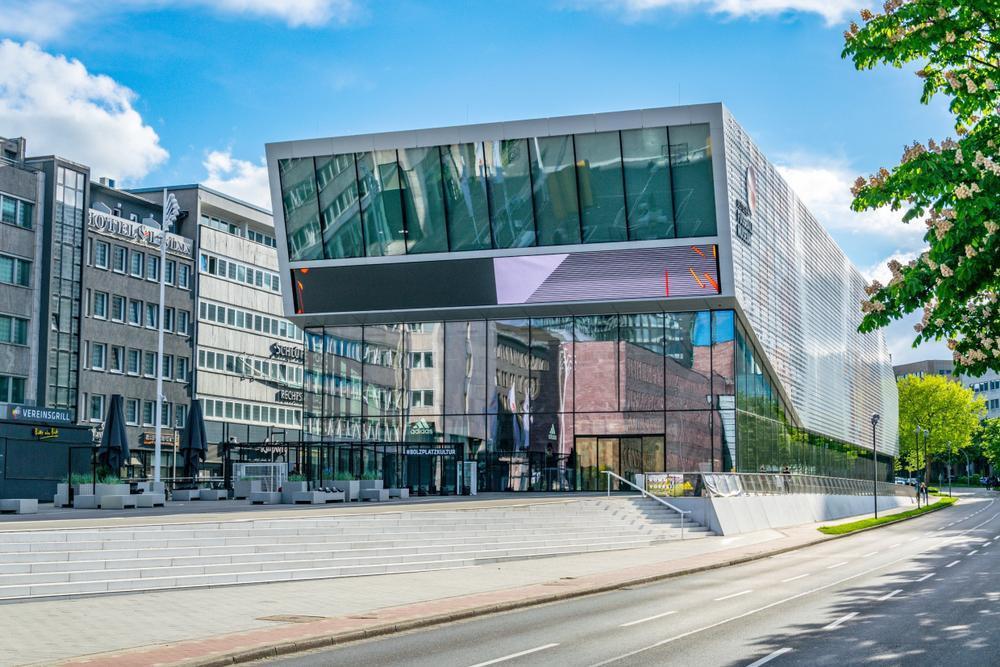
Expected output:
(136, 232)
(745, 209)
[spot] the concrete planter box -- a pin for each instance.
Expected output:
(290, 489)
(61, 498)
(242, 488)
(350, 487)
(370, 484)
(185, 494)
(111, 490)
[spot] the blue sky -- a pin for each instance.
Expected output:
(190, 90)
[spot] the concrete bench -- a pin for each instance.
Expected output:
(399, 493)
(117, 502)
(379, 495)
(185, 494)
(149, 500)
(265, 498)
(19, 506)
(85, 502)
(213, 494)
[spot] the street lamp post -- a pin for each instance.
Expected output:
(916, 447)
(875, 420)
(951, 457)
(170, 212)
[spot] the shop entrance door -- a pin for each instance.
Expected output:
(625, 456)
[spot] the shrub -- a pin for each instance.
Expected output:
(296, 478)
(344, 477)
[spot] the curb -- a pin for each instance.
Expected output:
(243, 656)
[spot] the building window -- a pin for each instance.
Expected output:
(135, 312)
(168, 319)
(182, 369)
(101, 305)
(152, 315)
(183, 322)
(168, 366)
(421, 398)
(98, 356)
(119, 259)
(117, 359)
(184, 277)
(147, 413)
(421, 360)
(102, 253)
(171, 271)
(11, 389)
(13, 330)
(152, 268)
(15, 271)
(132, 411)
(149, 364)
(138, 262)
(117, 308)
(134, 357)
(15, 211)
(180, 416)
(165, 413)
(96, 408)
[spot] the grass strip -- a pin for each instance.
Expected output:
(844, 528)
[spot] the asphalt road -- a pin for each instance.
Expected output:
(922, 592)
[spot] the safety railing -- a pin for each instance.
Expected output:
(647, 494)
(676, 484)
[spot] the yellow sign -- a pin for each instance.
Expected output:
(45, 433)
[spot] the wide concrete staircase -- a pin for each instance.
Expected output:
(40, 563)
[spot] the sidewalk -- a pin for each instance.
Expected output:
(212, 626)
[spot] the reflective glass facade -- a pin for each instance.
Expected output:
(597, 187)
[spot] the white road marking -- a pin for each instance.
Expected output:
(973, 552)
(830, 567)
(842, 619)
(893, 546)
(869, 554)
(733, 595)
(889, 595)
(514, 655)
(790, 598)
(770, 657)
(648, 618)
(925, 577)
(953, 563)
(914, 538)
(801, 576)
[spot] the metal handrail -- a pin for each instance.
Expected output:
(647, 494)
(778, 483)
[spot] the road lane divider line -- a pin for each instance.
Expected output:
(973, 552)
(889, 595)
(830, 567)
(512, 656)
(893, 546)
(843, 619)
(790, 598)
(769, 657)
(953, 563)
(648, 618)
(733, 595)
(801, 576)
(869, 554)
(925, 577)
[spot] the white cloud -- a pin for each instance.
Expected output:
(825, 188)
(832, 11)
(44, 20)
(63, 109)
(239, 178)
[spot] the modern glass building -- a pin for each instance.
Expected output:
(636, 292)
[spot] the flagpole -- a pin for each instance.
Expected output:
(158, 446)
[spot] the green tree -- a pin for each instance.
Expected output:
(988, 440)
(950, 411)
(953, 186)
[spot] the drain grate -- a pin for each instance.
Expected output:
(291, 618)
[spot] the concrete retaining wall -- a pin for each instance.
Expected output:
(745, 514)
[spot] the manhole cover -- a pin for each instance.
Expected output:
(291, 618)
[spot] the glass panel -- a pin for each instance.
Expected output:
(631, 457)
(381, 205)
(602, 187)
(465, 196)
(652, 453)
(342, 361)
(509, 179)
(557, 212)
(595, 363)
(298, 197)
(340, 212)
(694, 185)
(723, 354)
(549, 450)
(647, 183)
(508, 363)
(642, 358)
(689, 361)
(550, 363)
(689, 441)
(423, 197)
(465, 367)
(385, 371)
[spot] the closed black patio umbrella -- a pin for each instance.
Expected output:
(195, 446)
(114, 452)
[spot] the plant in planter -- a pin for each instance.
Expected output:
(296, 478)
(368, 476)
